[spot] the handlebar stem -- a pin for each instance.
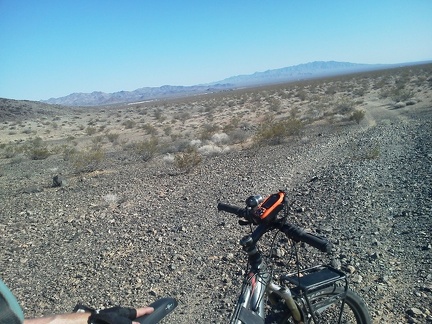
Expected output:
(248, 243)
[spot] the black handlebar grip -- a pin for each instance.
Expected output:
(162, 307)
(320, 243)
(231, 209)
(298, 234)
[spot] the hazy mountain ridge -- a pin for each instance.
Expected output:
(286, 74)
(301, 71)
(142, 94)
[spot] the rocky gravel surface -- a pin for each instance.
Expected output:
(134, 232)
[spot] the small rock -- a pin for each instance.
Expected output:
(427, 247)
(57, 181)
(413, 311)
(152, 292)
(335, 263)
(228, 257)
(357, 278)
(351, 269)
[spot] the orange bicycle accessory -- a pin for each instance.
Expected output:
(268, 209)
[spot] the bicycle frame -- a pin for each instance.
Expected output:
(250, 307)
(251, 303)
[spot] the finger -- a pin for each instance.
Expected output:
(144, 310)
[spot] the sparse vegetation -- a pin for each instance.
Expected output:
(145, 150)
(273, 131)
(220, 121)
(128, 124)
(87, 160)
(344, 106)
(113, 137)
(357, 116)
(186, 161)
(39, 153)
(91, 130)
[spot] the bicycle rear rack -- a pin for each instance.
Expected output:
(315, 278)
(311, 281)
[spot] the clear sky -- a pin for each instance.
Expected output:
(51, 48)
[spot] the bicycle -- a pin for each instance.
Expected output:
(319, 294)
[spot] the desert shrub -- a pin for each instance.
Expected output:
(294, 112)
(10, 152)
(220, 138)
(211, 149)
(274, 132)
(97, 140)
(167, 130)
(398, 95)
(35, 149)
(302, 95)
(183, 116)
(36, 142)
(129, 123)
(380, 83)
(238, 136)
(330, 90)
(91, 130)
(232, 125)
(150, 129)
(274, 104)
(373, 153)
(369, 153)
(177, 145)
(157, 113)
(359, 92)
(344, 106)
(361, 151)
(68, 152)
(113, 137)
(39, 153)
(207, 131)
(357, 115)
(87, 160)
(145, 150)
(186, 161)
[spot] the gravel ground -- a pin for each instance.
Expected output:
(134, 232)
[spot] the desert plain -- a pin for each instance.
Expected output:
(131, 215)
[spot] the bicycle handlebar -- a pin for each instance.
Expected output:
(240, 212)
(291, 231)
(298, 234)
(162, 307)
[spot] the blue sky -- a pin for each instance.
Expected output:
(51, 48)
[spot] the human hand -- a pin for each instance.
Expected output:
(119, 315)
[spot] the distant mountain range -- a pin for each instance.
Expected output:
(286, 74)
